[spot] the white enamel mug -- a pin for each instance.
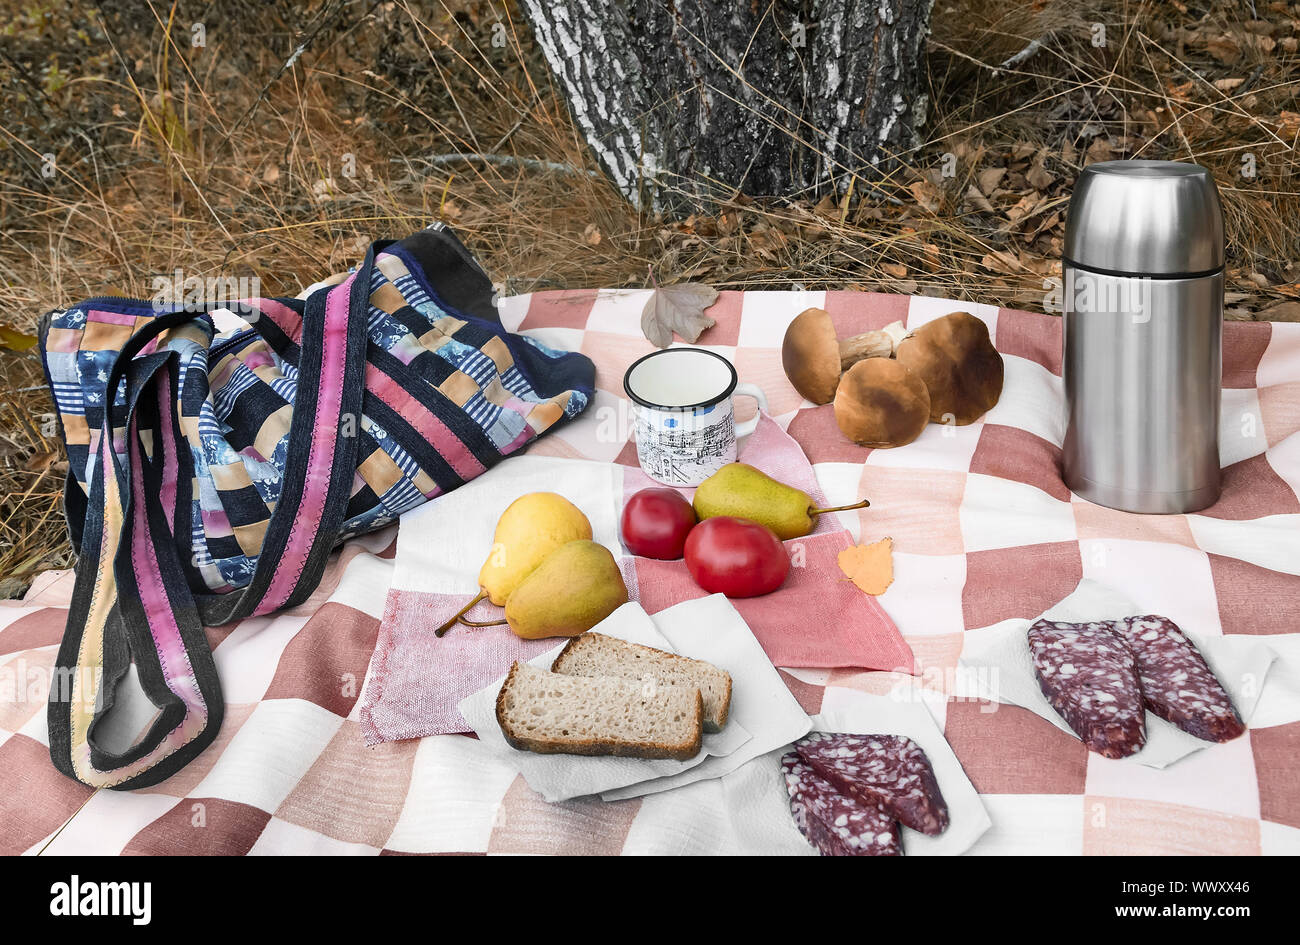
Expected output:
(685, 422)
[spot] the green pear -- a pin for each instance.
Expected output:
(574, 588)
(741, 491)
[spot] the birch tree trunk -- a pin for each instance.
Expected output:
(686, 101)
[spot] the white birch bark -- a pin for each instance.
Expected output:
(686, 101)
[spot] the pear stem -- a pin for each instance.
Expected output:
(460, 613)
(841, 508)
(482, 623)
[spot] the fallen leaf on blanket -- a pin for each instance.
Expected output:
(870, 567)
(15, 340)
(677, 308)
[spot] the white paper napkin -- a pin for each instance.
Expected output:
(711, 629)
(759, 805)
(995, 665)
(560, 777)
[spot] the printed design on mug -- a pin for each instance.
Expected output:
(684, 447)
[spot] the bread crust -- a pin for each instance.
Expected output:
(648, 749)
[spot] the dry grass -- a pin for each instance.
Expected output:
(229, 159)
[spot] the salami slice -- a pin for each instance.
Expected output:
(834, 824)
(1090, 677)
(888, 770)
(1177, 684)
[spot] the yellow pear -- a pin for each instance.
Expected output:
(741, 491)
(574, 588)
(531, 528)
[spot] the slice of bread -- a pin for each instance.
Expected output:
(594, 654)
(576, 715)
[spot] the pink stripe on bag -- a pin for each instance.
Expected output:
(284, 317)
(109, 318)
(167, 641)
(170, 474)
(178, 673)
(448, 445)
(320, 456)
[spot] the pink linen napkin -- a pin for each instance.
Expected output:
(417, 679)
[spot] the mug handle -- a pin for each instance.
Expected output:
(750, 390)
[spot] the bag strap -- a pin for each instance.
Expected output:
(132, 604)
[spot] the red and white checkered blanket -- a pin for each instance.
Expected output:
(983, 530)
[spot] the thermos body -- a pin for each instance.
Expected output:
(1142, 336)
(1142, 395)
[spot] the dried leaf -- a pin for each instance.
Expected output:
(828, 207)
(40, 462)
(1281, 312)
(16, 340)
(927, 195)
(1100, 150)
(1026, 207)
(870, 567)
(1224, 48)
(677, 308)
(1039, 177)
(989, 178)
(1000, 261)
(1046, 224)
(978, 200)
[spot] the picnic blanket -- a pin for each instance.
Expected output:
(983, 530)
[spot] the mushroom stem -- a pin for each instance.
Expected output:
(840, 508)
(460, 613)
(871, 344)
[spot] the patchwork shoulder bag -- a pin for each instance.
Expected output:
(217, 454)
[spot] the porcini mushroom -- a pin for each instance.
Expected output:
(956, 360)
(881, 403)
(814, 358)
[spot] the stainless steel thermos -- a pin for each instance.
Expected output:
(1142, 359)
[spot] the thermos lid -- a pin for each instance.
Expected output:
(1145, 218)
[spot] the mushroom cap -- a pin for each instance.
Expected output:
(957, 361)
(881, 403)
(810, 355)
